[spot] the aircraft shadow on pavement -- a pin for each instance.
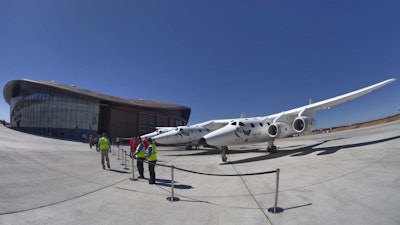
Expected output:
(234, 151)
(308, 150)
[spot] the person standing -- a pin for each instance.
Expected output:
(96, 142)
(118, 141)
(91, 141)
(140, 154)
(145, 142)
(104, 146)
(133, 143)
(151, 155)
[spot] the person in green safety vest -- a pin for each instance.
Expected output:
(104, 146)
(151, 155)
(140, 154)
(117, 141)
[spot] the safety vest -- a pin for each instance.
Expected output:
(117, 139)
(140, 152)
(104, 143)
(153, 156)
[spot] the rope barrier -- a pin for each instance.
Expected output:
(226, 175)
(214, 174)
(274, 209)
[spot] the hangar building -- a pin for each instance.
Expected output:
(64, 111)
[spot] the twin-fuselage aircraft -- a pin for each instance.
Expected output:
(240, 131)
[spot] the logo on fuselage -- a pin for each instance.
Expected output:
(246, 132)
(239, 131)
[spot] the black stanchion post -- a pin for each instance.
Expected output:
(126, 167)
(276, 209)
(172, 198)
(113, 149)
(122, 156)
(133, 167)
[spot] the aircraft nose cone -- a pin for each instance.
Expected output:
(203, 142)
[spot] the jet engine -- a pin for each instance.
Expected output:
(279, 130)
(304, 124)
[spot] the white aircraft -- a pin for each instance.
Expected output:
(159, 130)
(268, 128)
(189, 134)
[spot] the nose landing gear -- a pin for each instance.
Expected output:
(224, 151)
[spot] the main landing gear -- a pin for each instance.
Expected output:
(272, 148)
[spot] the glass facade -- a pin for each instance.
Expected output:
(55, 115)
(61, 111)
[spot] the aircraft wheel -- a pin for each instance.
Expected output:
(224, 158)
(272, 149)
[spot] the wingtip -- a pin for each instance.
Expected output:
(388, 81)
(391, 80)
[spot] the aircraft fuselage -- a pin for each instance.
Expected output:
(181, 135)
(238, 132)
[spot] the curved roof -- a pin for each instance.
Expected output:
(12, 88)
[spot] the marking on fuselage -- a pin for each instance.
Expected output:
(247, 133)
(236, 132)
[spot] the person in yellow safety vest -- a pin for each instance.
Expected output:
(104, 146)
(118, 141)
(140, 154)
(151, 155)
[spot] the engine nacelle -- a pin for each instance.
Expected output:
(279, 130)
(304, 124)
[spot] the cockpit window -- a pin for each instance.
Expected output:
(233, 123)
(241, 124)
(261, 124)
(252, 125)
(181, 129)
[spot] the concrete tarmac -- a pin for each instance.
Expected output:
(349, 177)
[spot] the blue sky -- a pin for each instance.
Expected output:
(220, 58)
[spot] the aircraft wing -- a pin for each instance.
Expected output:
(165, 128)
(309, 110)
(213, 124)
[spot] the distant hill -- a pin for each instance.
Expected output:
(360, 125)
